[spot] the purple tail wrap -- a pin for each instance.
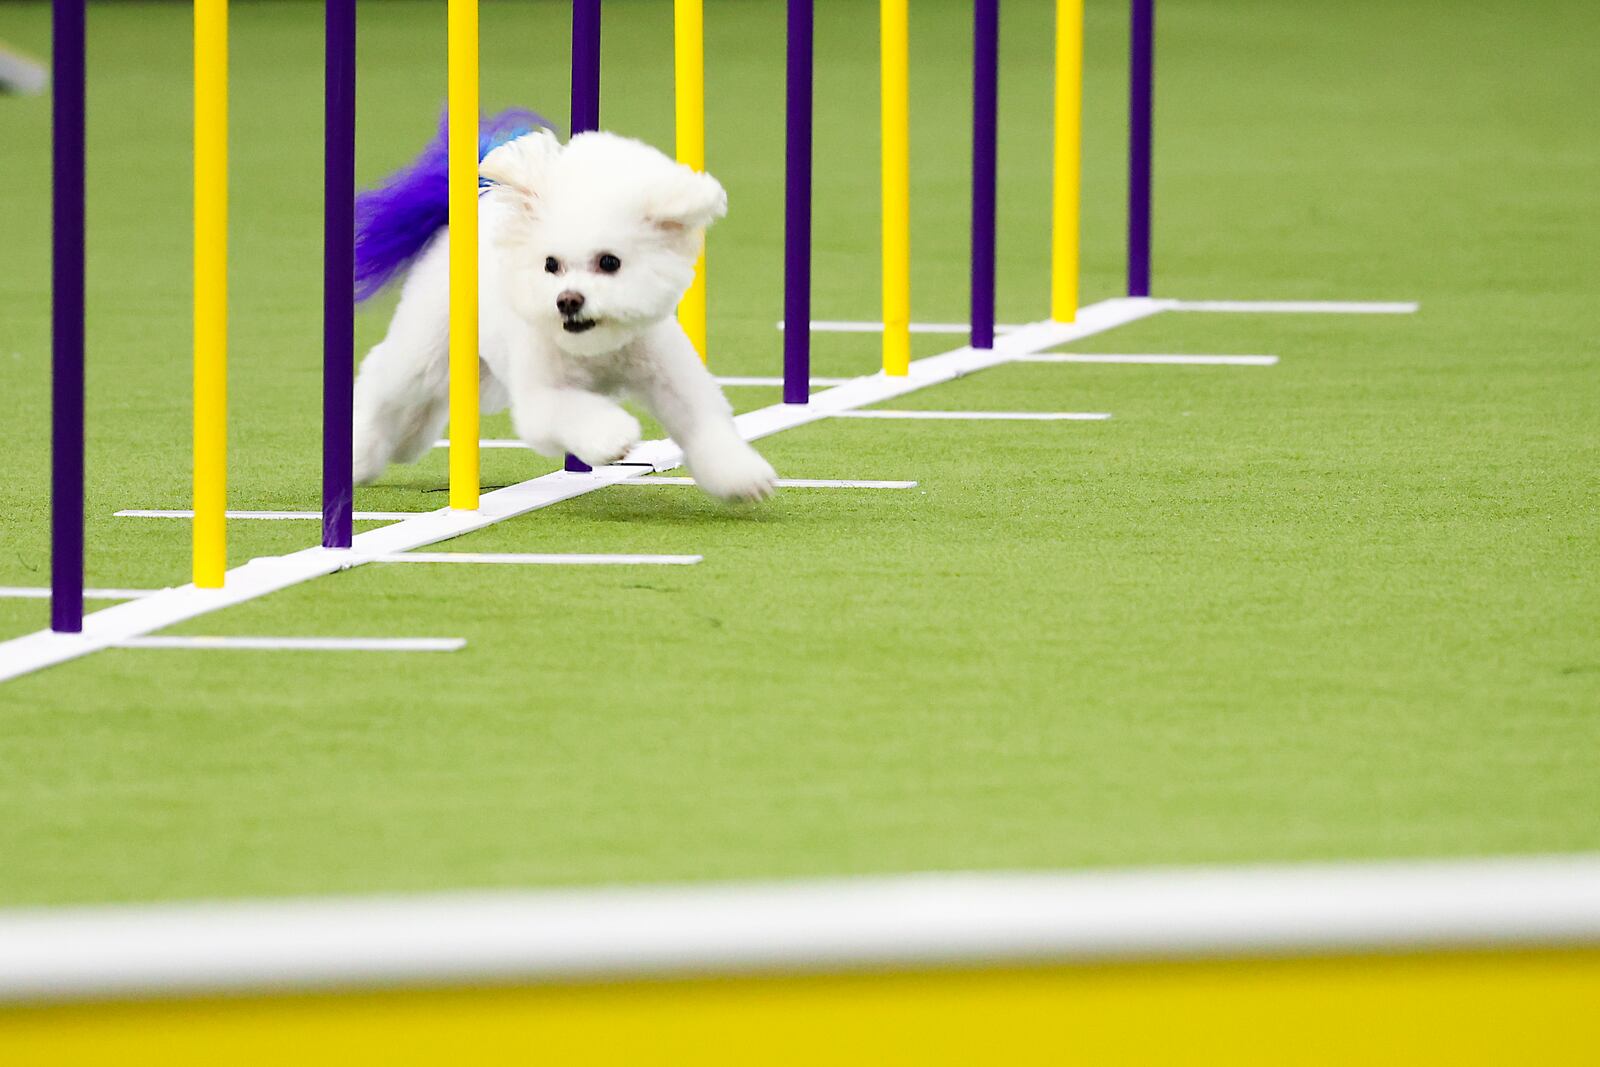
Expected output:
(396, 220)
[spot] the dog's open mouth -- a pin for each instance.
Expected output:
(578, 325)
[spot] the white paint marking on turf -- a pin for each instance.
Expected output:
(42, 592)
(1020, 416)
(745, 380)
(794, 483)
(360, 516)
(915, 920)
(579, 559)
(269, 574)
(300, 644)
(1300, 307)
(861, 326)
(487, 442)
(1197, 361)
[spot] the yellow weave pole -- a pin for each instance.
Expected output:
(895, 67)
(689, 65)
(210, 528)
(462, 16)
(1068, 161)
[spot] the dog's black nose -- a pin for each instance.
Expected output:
(569, 303)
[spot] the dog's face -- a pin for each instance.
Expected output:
(604, 234)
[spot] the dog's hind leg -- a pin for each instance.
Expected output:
(402, 392)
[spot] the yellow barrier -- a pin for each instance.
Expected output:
(210, 528)
(1534, 1007)
(1068, 161)
(896, 118)
(462, 17)
(689, 65)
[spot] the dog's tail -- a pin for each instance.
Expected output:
(396, 219)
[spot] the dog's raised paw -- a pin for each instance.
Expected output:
(736, 475)
(605, 437)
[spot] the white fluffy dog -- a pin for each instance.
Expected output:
(585, 251)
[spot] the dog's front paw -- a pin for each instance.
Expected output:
(736, 472)
(604, 436)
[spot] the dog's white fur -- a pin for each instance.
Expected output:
(600, 195)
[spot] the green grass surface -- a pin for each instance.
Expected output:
(1343, 607)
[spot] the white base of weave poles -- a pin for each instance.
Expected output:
(269, 574)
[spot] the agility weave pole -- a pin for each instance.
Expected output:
(689, 124)
(338, 277)
(68, 164)
(895, 67)
(985, 121)
(585, 114)
(210, 533)
(1464, 961)
(798, 62)
(463, 149)
(1141, 118)
(1066, 162)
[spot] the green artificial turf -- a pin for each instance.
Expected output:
(1347, 606)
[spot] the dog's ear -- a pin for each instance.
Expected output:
(521, 165)
(688, 200)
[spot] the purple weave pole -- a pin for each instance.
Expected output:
(338, 272)
(985, 102)
(797, 208)
(1141, 97)
(66, 317)
(585, 98)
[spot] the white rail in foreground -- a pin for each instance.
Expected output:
(906, 920)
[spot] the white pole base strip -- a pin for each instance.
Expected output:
(360, 516)
(917, 920)
(794, 483)
(38, 592)
(1185, 361)
(300, 644)
(1300, 307)
(268, 574)
(1005, 416)
(555, 559)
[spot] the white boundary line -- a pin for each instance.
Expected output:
(268, 574)
(794, 483)
(1151, 358)
(300, 644)
(487, 442)
(1292, 307)
(360, 516)
(998, 416)
(871, 922)
(42, 592)
(559, 559)
(1300, 307)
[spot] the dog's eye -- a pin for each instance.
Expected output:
(609, 264)
(552, 265)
